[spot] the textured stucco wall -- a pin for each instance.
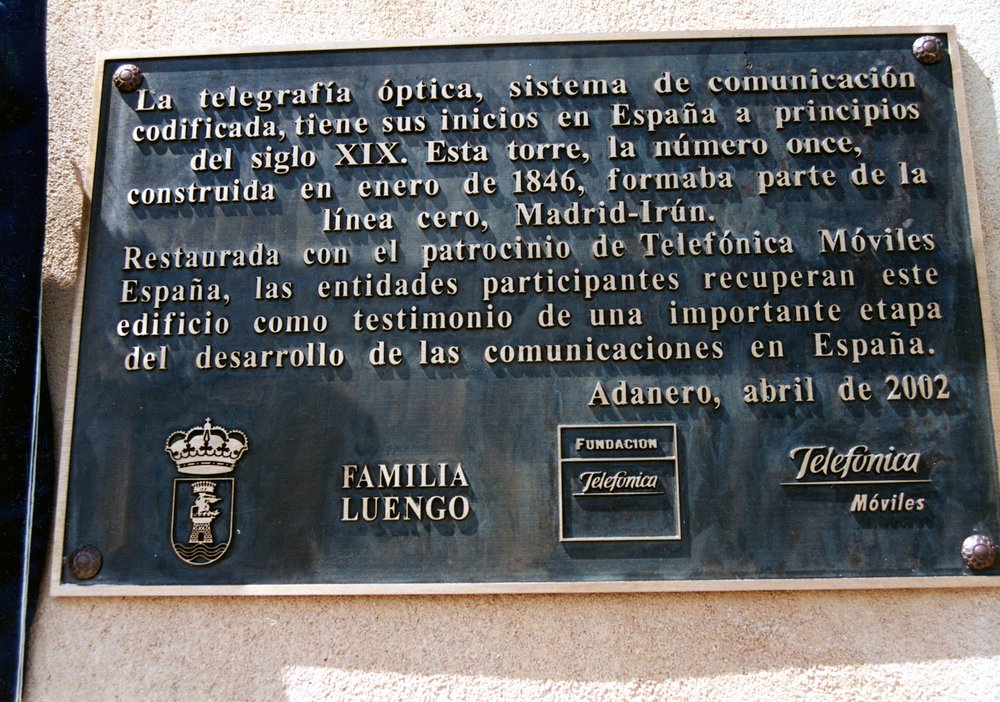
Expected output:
(900, 645)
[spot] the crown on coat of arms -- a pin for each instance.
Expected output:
(206, 449)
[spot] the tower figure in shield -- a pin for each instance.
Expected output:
(202, 517)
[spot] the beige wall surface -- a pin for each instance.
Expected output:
(876, 645)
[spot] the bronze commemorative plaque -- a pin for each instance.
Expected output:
(646, 313)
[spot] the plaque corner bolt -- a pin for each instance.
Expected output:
(127, 77)
(85, 562)
(979, 552)
(928, 49)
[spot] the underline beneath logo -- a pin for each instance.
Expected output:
(619, 494)
(827, 483)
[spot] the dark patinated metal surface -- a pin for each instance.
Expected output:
(554, 472)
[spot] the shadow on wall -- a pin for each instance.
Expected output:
(266, 648)
(986, 152)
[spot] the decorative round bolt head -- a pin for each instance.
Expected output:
(979, 552)
(128, 77)
(928, 49)
(85, 562)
